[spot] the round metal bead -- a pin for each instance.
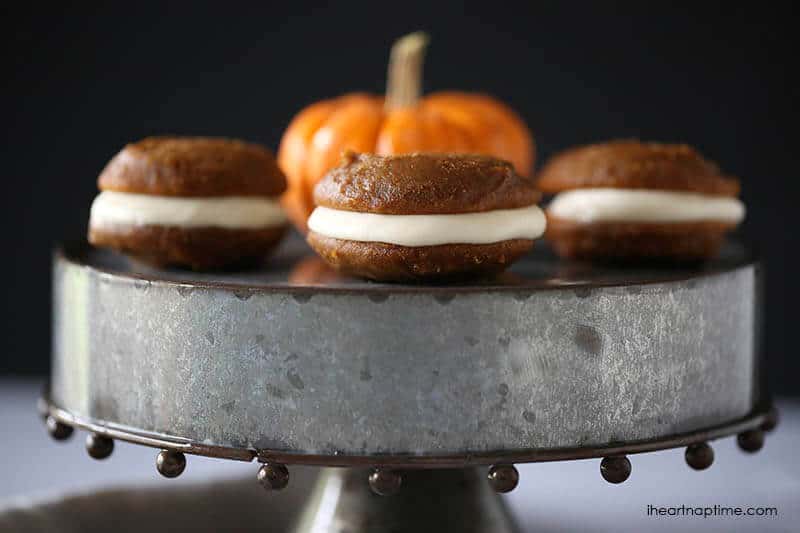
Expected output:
(58, 430)
(699, 456)
(98, 446)
(503, 478)
(751, 441)
(385, 482)
(273, 476)
(771, 421)
(170, 463)
(615, 469)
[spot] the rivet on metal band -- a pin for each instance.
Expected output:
(503, 478)
(273, 476)
(385, 482)
(615, 469)
(699, 456)
(170, 463)
(99, 446)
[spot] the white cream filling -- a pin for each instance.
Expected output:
(631, 205)
(230, 212)
(430, 230)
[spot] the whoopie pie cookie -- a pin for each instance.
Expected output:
(632, 200)
(201, 203)
(423, 217)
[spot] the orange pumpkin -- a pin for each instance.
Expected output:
(403, 122)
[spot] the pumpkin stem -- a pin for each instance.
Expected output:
(404, 80)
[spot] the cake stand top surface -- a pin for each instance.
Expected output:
(295, 267)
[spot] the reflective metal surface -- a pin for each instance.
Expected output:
(429, 501)
(110, 430)
(290, 359)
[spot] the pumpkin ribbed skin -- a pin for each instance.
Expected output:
(444, 122)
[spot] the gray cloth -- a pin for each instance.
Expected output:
(221, 506)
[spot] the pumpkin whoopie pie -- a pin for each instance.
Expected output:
(423, 217)
(196, 202)
(631, 200)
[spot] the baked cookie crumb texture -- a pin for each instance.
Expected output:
(193, 166)
(198, 248)
(389, 262)
(683, 242)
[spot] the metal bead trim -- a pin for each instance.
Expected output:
(699, 456)
(750, 441)
(385, 482)
(615, 469)
(170, 463)
(503, 478)
(273, 476)
(99, 446)
(58, 430)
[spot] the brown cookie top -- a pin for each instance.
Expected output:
(193, 166)
(631, 164)
(418, 184)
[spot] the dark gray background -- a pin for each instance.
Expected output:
(78, 82)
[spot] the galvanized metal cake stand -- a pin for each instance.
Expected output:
(435, 388)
